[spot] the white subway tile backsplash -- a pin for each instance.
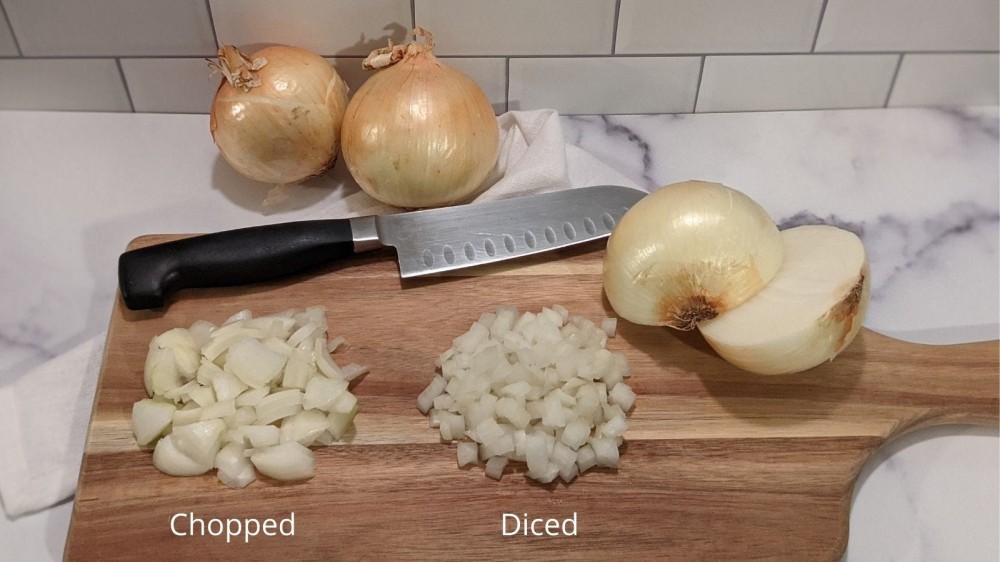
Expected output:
(605, 84)
(577, 56)
(349, 68)
(786, 82)
(717, 26)
(909, 25)
(62, 84)
(329, 28)
(518, 27)
(947, 79)
(184, 85)
(8, 46)
(490, 74)
(111, 27)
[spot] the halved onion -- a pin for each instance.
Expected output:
(687, 253)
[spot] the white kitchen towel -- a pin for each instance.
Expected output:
(45, 413)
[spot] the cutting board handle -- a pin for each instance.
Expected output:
(941, 384)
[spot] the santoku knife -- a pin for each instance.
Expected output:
(428, 241)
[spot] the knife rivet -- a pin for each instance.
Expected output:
(491, 250)
(529, 239)
(449, 255)
(428, 258)
(470, 252)
(550, 235)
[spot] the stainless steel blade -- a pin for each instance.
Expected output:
(450, 238)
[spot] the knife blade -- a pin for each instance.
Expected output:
(426, 242)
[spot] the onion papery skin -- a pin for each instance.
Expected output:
(688, 252)
(419, 133)
(812, 309)
(287, 129)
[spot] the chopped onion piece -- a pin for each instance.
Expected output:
(200, 440)
(253, 363)
(277, 405)
(184, 417)
(304, 427)
(150, 418)
(321, 393)
(252, 397)
(287, 461)
(340, 422)
(219, 410)
(235, 469)
(170, 460)
(261, 435)
(216, 390)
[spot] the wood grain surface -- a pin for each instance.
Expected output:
(718, 464)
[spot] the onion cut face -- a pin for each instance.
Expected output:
(807, 314)
(687, 253)
(535, 388)
(231, 397)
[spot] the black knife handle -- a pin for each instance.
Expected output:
(147, 276)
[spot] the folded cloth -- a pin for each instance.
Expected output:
(45, 414)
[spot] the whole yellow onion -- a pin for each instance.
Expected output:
(419, 133)
(277, 114)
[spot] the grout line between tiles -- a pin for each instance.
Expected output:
(506, 86)
(819, 25)
(697, 91)
(10, 26)
(567, 56)
(211, 22)
(892, 83)
(128, 92)
(614, 27)
(413, 14)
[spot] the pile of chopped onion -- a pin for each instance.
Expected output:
(542, 389)
(251, 393)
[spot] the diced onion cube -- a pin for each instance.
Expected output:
(468, 453)
(536, 388)
(495, 466)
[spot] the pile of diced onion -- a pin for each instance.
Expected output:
(252, 393)
(539, 388)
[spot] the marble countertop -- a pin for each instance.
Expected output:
(919, 185)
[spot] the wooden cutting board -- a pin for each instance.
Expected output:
(718, 464)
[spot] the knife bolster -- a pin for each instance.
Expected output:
(364, 231)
